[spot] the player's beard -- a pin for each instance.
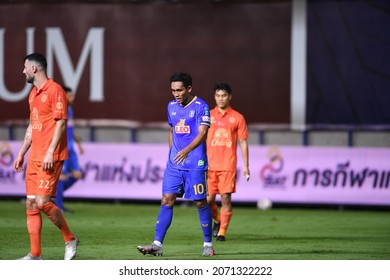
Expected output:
(29, 79)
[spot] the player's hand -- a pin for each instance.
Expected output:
(181, 157)
(18, 164)
(48, 162)
(247, 174)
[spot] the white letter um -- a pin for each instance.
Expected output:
(55, 46)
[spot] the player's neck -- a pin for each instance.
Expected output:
(40, 82)
(189, 100)
(223, 110)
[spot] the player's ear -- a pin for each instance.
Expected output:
(34, 68)
(189, 88)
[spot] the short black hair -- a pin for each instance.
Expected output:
(66, 88)
(223, 86)
(183, 77)
(39, 58)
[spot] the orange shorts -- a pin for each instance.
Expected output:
(220, 182)
(39, 182)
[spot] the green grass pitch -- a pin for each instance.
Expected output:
(109, 231)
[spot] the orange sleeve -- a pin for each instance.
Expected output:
(242, 131)
(59, 104)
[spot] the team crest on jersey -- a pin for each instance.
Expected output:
(181, 128)
(232, 120)
(44, 98)
(192, 113)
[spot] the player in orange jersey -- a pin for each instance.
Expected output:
(227, 127)
(46, 136)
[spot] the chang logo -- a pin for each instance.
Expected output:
(221, 138)
(34, 114)
(37, 126)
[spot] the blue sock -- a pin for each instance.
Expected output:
(69, 182)
(205, 219)
(60, 194)
(164, 220)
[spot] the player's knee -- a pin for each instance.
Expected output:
(168, 200)
(200, 203)
(43, 203)
(77, 175)
(40, 206)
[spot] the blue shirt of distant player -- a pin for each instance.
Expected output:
(185, 121)
(70, 128)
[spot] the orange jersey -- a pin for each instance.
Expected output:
(222, 138)
(46, 106)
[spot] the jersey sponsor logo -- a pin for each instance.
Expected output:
(173, 113)
(60, 105)
(34, 114)
(206, 118)
(221, 138)
(181, 128)
(37, 126)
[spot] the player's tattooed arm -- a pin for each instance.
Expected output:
(27, 139)
(18, 164)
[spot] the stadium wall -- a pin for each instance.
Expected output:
(118, 56)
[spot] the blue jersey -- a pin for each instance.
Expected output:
(70, 128)
(185, 122)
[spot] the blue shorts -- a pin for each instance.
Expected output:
(71, 164)
(191, 184)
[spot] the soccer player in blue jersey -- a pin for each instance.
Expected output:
(71, 171)
(186, 170)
